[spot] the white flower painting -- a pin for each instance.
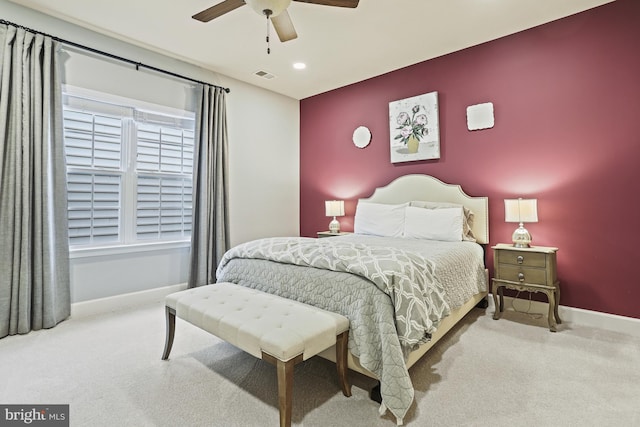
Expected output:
(414, 128)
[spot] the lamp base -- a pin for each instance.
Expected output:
(334, 226)
(521, 237)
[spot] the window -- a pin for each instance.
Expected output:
(129, 172)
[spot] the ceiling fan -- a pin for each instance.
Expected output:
(274, 10)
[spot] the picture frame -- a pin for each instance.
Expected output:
(414, 128)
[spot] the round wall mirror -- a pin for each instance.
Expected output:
(361, 137)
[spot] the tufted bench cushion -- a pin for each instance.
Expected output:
(279, 330)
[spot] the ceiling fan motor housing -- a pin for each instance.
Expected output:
(274, 6)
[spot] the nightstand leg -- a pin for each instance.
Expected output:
(499, 305)
(557, 304)
(552, 307)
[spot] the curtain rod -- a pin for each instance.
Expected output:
(110, 55)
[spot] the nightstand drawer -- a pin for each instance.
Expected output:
(529, 259)
(518, 274)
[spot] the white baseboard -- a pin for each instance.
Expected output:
(119, 302)
(578, 316)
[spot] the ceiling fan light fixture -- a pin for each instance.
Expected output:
(275, 6)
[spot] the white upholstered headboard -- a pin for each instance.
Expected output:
(426, 188)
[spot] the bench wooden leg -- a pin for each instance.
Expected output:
(285, 391)
(171, 330)
(342, 347)
(285, 385)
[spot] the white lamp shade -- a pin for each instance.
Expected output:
(521, 210)
(334, 207)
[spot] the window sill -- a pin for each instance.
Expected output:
(126, 249)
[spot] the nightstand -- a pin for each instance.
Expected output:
(330, 234)
(526, 269)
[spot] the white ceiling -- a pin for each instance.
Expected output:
(340, 46)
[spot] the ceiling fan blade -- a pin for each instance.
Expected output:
(337, 3)
(218, 10)
(284, 27)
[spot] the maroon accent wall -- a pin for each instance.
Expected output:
(567, 109)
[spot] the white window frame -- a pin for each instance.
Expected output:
(128, 243)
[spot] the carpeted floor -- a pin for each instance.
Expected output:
(512, 371)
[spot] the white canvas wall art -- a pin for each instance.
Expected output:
(414, 128)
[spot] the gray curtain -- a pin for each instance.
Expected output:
(210, 226)
(34, 251)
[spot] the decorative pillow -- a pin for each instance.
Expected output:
(434, 224)
(379, 219)
(467, 221)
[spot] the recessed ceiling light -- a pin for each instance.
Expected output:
(299, 65)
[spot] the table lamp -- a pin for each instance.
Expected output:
(334, 208)
(521, 211)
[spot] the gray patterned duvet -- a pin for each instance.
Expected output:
(394, 291)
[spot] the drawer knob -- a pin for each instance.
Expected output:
(520, 259)
(521, 277)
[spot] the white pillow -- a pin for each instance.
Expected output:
(467, 220)
(379, 219)
(434, 224)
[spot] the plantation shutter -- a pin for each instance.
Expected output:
(93, 144)
(164, 169)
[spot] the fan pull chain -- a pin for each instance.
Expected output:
(268, 28)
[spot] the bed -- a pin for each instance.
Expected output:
(401, 290)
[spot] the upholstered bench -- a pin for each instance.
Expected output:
(281, 331)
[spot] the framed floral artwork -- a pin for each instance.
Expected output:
(414, 128)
